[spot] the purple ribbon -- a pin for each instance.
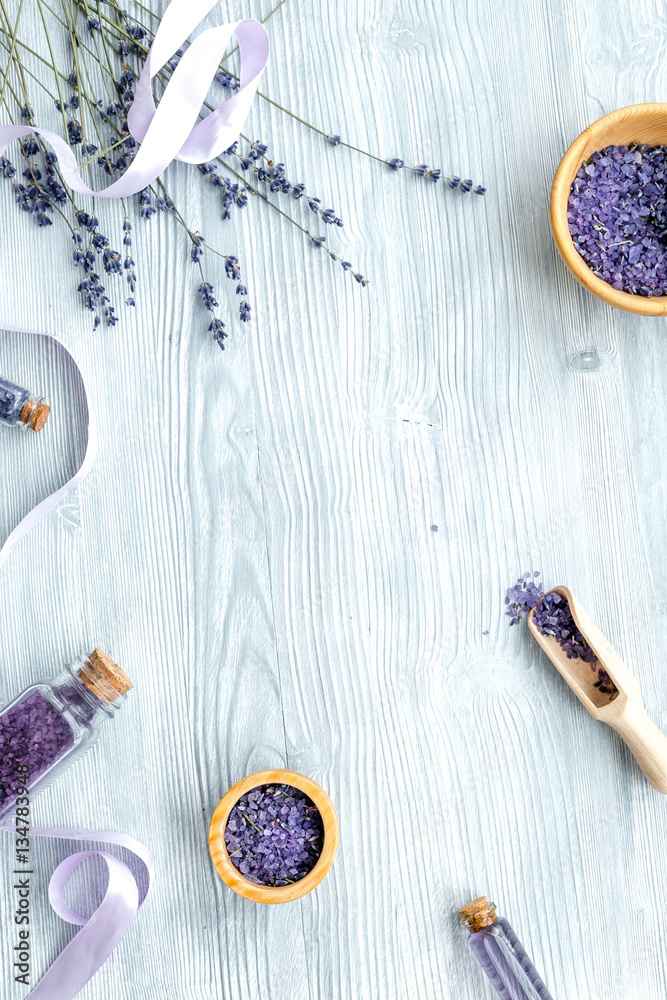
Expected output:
(100, 933)
(172, 131)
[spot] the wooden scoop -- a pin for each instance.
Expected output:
(623, 709)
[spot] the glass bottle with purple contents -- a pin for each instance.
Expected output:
(50, 722)
(21, 407)
(501, 954)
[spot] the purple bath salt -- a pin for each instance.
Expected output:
(617, 216)
(12, 400)
(274, 835)
(552, 616)
(42, 728)
(33, 736)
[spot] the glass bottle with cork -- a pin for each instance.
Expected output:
(21, 407)
(52, 721)
(500, 953)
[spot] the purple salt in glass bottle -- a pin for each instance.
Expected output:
(50, 722)
(21, 407)
(501, 954)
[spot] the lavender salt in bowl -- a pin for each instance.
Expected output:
(625, 267)
(274, 836)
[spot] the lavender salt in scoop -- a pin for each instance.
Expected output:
(274, 835)
(617, 216)
(552, 616)
(49, 722)
(19, 406)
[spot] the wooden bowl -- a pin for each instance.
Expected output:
(638, 123)
(267, 893)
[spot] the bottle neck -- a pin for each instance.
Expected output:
(90, 697)
(34, 413)
(478, 914)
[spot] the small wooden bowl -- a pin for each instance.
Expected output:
(637, 123)
(267, 893)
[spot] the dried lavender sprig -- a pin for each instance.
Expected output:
(92, 291)
(151, 13)
(232, 194)
(328, 215)
(76, 131)
(318, 241)
(36, 200)
(433, 174)
(12, 46)
(216, 326)
(232, 271)
(77, 137)
(395, 163)
(275, 176)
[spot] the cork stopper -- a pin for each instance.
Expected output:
(106, 680)
(35, 414)
(478, 914)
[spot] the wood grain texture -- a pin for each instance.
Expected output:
(254, 545)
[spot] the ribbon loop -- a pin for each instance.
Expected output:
(172, 131)
(100, 933)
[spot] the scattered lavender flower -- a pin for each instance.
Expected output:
(617, 216)
(552, 616)
(434, 527)
(274, 835)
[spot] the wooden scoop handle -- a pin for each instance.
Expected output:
(646, 742)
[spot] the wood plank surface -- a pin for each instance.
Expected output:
(254, 544)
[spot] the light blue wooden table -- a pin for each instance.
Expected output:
(254, 545)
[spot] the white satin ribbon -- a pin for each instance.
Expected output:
(43, 508)
(172, 131)
(100, 933)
